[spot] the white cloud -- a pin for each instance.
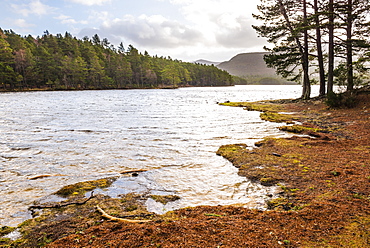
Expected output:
(152, 31)
(69, 20)
(227, 24)
(23, 23)
(35, 7)
(99, 16)
(213, 29)
(90, 2)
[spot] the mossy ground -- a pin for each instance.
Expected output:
(55, 223)
(271, 111)
(324, 199)
(164, 199)
(82, 187)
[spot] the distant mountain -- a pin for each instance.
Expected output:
(248, 68)
(247, 64)
(206, 62)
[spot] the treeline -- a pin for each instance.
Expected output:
(63, 62)
(261, 80)
(317, 40)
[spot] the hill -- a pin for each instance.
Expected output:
(206, 62)
(250, 68)
(247, 64)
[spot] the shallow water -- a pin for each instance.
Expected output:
(85, 135)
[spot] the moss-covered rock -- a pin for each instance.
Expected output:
(164, 199)
(4, 230)
(83, 187)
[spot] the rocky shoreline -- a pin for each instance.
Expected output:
(323, 172)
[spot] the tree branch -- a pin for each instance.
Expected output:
(112, 218)
(60, 205)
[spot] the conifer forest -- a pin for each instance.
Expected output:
(63, 62)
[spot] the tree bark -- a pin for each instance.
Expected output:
(320, 58)
(305, 64)
(303, 49)
(349, 46)
(331, 47)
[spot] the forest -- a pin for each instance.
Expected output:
(317, 41)
(63, 62)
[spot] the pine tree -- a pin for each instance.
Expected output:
(7, 74)
(284, 22)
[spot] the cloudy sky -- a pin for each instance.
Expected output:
(188, 30)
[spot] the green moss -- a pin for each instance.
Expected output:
(44, 240)
(300, 129)
(335, 173)
(164, 199)
(229, 151)
(269, 110)
(83, 187)
(131, 208)
(354, 234)
(51, 225)
(277, 117)
(213, 215)
(4, 230)
(277, 203)
(254, 106)
(268, 181)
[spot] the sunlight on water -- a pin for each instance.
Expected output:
(86, 135)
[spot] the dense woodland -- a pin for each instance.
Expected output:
(63, 62)
(318, 40)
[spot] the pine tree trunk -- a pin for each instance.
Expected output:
(303, 49)
(320, 58)
(349, 47)
(305, 63)
(331, 47)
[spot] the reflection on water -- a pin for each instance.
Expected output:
(86, 135)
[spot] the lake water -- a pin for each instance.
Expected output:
(174, 134)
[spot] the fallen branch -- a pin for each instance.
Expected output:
(136, 215)
(110, 217)
(60, 205)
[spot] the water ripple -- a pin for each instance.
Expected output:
(86, 135)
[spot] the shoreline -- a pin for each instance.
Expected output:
(324, 199)
(134, 88)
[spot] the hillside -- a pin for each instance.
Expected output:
(247, 64)
(206, 62)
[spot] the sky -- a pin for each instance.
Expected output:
(188, 30)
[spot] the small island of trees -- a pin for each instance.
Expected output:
(63, 62)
